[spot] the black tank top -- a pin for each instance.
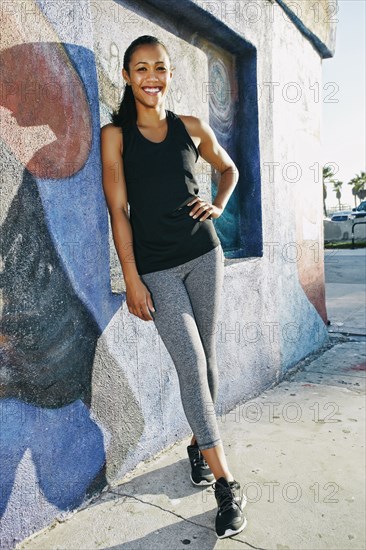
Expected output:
(160, 179)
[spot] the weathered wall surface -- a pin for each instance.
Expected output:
(87, 390)
(316, 20)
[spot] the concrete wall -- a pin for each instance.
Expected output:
(342, 231)
(87, 390)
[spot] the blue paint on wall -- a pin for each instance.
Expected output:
(240, 226)
(77, 213)
(56, 302)
(249, 186)
(324, 51)
(67, 451)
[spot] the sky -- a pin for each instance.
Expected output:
(343, 122)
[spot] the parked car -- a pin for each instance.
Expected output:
(339, 226)
(360, 210)
(342, 216)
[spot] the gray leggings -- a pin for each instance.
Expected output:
(187, 301)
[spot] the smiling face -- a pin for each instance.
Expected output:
(150, 74)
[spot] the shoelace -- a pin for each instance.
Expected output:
(199, 459)
(226, 497)
(203, 462)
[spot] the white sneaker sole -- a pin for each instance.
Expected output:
(202, 483)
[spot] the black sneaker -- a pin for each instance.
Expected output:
(230, 519)
(201, 473)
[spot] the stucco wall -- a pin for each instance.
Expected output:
(316, 20)
(88, 390)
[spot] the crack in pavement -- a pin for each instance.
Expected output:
(185, 519)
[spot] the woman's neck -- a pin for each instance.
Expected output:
(150, 117)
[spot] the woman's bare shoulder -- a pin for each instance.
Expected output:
(196, 127)
(110, 128)
(190, 121)
(112, 135)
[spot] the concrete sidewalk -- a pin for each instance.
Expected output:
(298, 450)
(345, 275)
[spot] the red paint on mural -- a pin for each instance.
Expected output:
(43, 93)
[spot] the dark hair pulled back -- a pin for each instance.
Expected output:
(126, 112)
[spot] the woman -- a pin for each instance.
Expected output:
(171, 256)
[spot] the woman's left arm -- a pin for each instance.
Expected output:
(212, 152)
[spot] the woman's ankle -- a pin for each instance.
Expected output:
(229, 477)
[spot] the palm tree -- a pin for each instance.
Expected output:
(337, 184)
(328, 176)
(358, 189)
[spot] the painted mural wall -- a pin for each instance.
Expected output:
(86, 389)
